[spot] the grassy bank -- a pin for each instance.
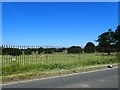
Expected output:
(51, 73)
(54, 64)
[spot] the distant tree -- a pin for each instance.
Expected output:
(0, 50)
(117, 38)
(52, 49)
(64, 48)
(40, 50)
(11, 51)
(74, 49)
(105, 40)
(27, 51)
(60, 49)
(3, 51)
(48, 51)
(90, 47)
(16, 52)
(103, 49)
(99, 48)
(34, 50)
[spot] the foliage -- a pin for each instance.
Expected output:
(60, 49)
(117, 38)
(90, 47)
(28, 51)
(40, 50)
(11, 51)
(74, 49)
(106, 39)
(54, 61)
(48, 50)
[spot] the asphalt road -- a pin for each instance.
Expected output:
(98, 79)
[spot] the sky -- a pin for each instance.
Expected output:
(56, 23)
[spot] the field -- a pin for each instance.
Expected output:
(57, 61)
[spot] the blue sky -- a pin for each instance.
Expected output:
(56, 24)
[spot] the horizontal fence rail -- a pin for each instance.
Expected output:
(20, 59)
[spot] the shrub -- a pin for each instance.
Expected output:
(74, 49)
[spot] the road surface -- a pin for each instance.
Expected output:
(98, 79)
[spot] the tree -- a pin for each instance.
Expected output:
(15, 52)
(34, 50)
(27, 51)
(106, 40)
(0, 50)
(11, 51)
(117, 38)
(60, 49)
(74, 49)
(90, 47)
(48, 50)
(40, 50)
(99, 48)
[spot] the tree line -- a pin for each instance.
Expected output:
(29, 51)
(107, 42)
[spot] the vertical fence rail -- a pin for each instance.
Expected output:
(33, 59)
(23, 56)
(0, 61)
(24, 47)
(15, 56)
(2, 56)
(9, 56)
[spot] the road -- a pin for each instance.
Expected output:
(98, 79)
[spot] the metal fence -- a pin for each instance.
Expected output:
(27, 54)
(17, 59)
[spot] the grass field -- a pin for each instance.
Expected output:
(46, 62)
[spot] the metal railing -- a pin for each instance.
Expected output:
(17, 59)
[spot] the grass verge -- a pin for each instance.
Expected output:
(53, 72)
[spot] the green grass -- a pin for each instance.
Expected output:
(60, 61)
(54, 72)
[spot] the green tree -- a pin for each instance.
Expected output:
(28, 51)
(11, 51)
(60, 49)
(0, 50)
(106, 40)
(40, 50)
(90, 47)
(74, 49)
(48, 50)
(117, 38)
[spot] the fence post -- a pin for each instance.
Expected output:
(46, 54)
(3, 47)
(24, 47)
